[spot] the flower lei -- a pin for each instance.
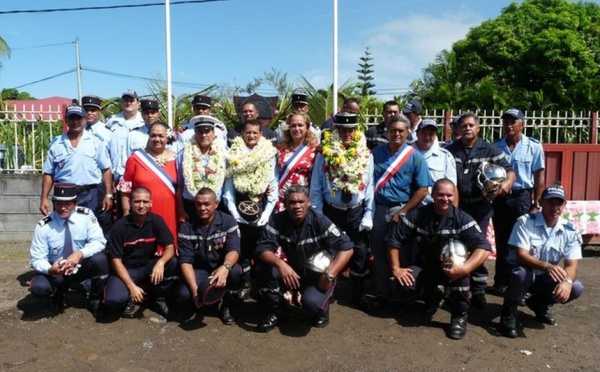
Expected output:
(196, 175)
(252, 169)
(346, 166)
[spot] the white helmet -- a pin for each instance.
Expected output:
(454, 253)
(489, 178)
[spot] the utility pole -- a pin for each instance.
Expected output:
(78, 68)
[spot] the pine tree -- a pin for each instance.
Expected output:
(364, 75)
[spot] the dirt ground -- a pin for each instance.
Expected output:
(31, 340)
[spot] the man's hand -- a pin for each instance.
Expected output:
(107, 204)
(404, 276)
(45, 206)
(365, 225)
(288, 275)
(71, 263)
(137, 294)
(219, 276)
(56, 268)
(183, 216)
(197, 301)
(562, 292)
(504, 188)
(157, 272)
(323, 284)
(557, 273)
(455, 272)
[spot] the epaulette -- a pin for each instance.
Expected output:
(83, 210)
(534, 140)
(44, 221)
(98, 136)
(55, 139)
(570, 226)
(524, 217)
(109, 127)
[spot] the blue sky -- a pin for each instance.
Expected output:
(230, 42)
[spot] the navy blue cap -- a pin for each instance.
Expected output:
(201, 100)
(412, 106)
(91, 101)
(75, 110)
(427, 123)
(65, 192)
(130, 93)
(149, 104)
(300, 97)
(554, 191)
(345, 120)
(513, 113)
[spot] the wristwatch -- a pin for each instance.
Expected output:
(227, 266)
(330, 278)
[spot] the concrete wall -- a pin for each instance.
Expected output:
(19, 205)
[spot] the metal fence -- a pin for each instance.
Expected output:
(25, 137)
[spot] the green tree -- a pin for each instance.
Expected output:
(365, 75)
(543, 47)
(12, 93)
(4, 50)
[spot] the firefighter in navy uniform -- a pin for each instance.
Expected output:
(469, 152)
(301, 233)
(67, 246)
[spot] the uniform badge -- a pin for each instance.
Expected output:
(336, 232)
(533, 251)
(61, 164)
(466, 171)
(209, 247)
(54, 251)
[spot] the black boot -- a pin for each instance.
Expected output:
(225, 310)
(56, 302)
(458, 326)
(508, 319)
(161, 306)
(322, 319)
(540, 307)
(358, 294)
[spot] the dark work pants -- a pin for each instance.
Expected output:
(233, 281)
(249, 235)
(94, 268)
(481, 212)
(429, 277)
(348, 221)
(117, 293)
(506, 212)
(541, 286)
(93, 199)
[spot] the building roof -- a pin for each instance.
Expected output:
(47, 109)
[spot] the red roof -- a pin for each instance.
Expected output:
(47, 109)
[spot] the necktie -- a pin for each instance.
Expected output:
(68, 246)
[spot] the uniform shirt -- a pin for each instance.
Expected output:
(135, 245)
(431, 232)
(236, 131)
(49, 238)
(526, 158)
(121, 128)
(101, 130)
(412, 133)
(467, 163)
(441, 164)
(413, 175)
(206, 248)
(320, 191)
(376, 135)
(299, 242)
(81, 165)
(545, 244)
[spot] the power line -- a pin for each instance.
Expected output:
(46, 79)
(43, 46)
(105, 7)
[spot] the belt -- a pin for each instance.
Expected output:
(472, 200)
(344, 207)
(84, 188)
(392, 204)
(517, 192)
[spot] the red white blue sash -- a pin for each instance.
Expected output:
(391, 170)
(291, 164)
(158, 171)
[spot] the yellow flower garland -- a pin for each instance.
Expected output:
(346, 166)
(252, 169)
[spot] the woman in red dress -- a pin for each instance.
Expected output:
(154, 168)
(297, 153)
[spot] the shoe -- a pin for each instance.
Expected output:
(525, 297)
(542, 314)
(378, 303)
(458, 327)
(244, 291)
(95, 308)
(508, 320)
(498, 290)
(226, 316)
(129, 310)
(267, 323)
(322, 320)
(161, 306)
(478, 301)
(56, 302)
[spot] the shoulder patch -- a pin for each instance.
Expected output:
(98, 136)
(570, 226)
(534, 140)
(44, 221)
(83, 210)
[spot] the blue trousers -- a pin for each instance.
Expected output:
(381, 268)
(93, 199)
(117, 293)
(481, 212)
(541, 286)
(94, 268)
(314, 300)
(233, 281)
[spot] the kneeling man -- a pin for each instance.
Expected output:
(435, 228)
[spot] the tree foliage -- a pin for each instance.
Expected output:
(4, 50)
(542, 54)
(365, 78)
(12, 93)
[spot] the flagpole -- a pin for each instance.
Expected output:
(335, 55)
(168, 50)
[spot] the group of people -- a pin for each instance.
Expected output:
(215, 212)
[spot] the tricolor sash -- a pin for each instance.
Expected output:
(391, 170)
(142, 156)
(292, 164)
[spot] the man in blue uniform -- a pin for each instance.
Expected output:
(344, 193)
(469, 152)
(91, 105)
(376, 134)
(209, 250)
(430, 228)
(67, 246)
(300, 232)
(539, 241)
(80, 157)
(526, 156)
(141, 249)
(401, 181)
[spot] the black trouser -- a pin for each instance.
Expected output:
(506, 212)
(249, 235)
(349, 222)
(481, 212)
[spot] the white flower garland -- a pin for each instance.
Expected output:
(196, 175)
(346, 166)
(252, 169)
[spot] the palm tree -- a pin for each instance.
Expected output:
(4, 50)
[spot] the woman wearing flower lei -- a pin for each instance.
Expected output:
(297, 154)
(342, 189)
(203, 163)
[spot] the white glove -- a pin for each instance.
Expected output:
(365, 225)
(264, 218)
